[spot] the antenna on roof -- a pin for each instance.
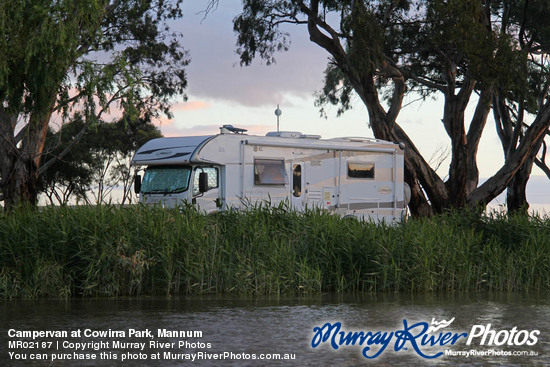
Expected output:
(278, 113)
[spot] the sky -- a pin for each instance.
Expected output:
(220, 92)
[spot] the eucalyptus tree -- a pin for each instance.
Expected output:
(518, 100)
(70, 177)
(382, 49)
(97, 164)
(79, 56)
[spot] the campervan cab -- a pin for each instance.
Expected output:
(359, 177)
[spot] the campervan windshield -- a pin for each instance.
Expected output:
(166, 179)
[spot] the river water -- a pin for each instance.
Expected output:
(255, 331)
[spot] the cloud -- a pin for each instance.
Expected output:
(190, 106)
(163, 122)
(214, 71)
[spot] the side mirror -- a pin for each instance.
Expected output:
(203, 182)
(137, 184)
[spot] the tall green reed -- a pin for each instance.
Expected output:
(114, 251)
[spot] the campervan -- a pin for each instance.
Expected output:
(359, 177)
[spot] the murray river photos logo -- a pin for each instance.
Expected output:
(421, 337)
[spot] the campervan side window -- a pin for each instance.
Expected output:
(213, 181)
(360, 170)
(269, 172)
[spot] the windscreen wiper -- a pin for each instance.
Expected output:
(157, 192)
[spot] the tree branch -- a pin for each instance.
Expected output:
(498, 182)
(398, 90)
(479, 120)
(541, 162)
(63, 153)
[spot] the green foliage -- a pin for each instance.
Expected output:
(42, 41)
(80, 59)
(103, 150)
(337, 91)
(73, 174)
(523, 57)
(258, 32)
(113, 251)
(365, 38)
(436, 44)
(385, 50)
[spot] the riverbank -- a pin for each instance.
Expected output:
(110, 251)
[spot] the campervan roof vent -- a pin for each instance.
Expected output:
(230, 129)
(285, 134)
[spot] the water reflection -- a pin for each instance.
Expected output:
(284, 325)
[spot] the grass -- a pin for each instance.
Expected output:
(112, 251)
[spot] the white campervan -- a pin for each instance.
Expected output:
(359, 177)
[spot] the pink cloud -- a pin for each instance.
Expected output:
(163, 122)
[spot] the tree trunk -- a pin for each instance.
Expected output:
(458, 170)
(453, 121)
(8, 152)
(21, 186)
(384, 127)
(461, 188)
(19, 166)
(516, 197)
(477, 125)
